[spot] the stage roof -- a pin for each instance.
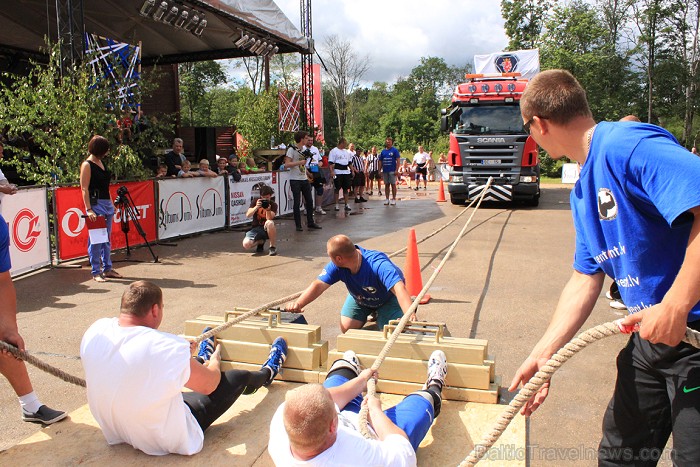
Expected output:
(25, 23)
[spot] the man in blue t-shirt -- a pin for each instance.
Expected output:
(11, 368)
(374, 283)
(388, 163)
(636, 210)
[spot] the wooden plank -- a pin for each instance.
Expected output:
(323, 352)
(287, 374)
(428, 338)
(492, 363)
(248, 352)
(414, 347)
(253, 321)
(415, 371)
(257, 332)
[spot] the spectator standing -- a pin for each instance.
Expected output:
(388, 164)
(442, 167)
(94, 185)
(314, 174)
(420, 166)
(431, 167)
(358, 177)
(339, 161)
(299, 182)
(175, 157)
(372, 170)
(205, 171)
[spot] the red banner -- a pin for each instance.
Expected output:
(318, 104)
(72, 234)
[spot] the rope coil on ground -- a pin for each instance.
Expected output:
(371, 384)
(574, 346)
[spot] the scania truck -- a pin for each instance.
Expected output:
(487, 139)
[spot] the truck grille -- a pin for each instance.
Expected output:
(500, 160)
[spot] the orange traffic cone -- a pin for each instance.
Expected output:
(441, 193)
(414, 282)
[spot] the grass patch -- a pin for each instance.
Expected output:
(556, 180)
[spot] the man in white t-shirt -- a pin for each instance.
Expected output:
(339, 161)
(318, 425)
(420, 167)
(135, 375)
(313, 172)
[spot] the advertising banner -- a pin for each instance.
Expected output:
(242, 193)
(187, 206)
(72, 231)
(525, 62)
(27, 217)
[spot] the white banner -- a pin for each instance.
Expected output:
(525, 62)
(283, 194)
(570, 173)
(242, 193)
(187, 206)
(27, 216)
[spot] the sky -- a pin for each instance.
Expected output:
(394, 34)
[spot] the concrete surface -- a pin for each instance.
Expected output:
(501, 284)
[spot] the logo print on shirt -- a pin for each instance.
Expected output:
(368, 289)
(607, 206)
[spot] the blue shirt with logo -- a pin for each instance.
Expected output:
(389, 159)
(371, 286)
(630, 209)
(5, 263)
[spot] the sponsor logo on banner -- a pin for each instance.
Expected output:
(72, 234)
(26, 215)
(506, 63)
(25, 230)
(243, 192)
(187, 206)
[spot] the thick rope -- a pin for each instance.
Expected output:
(27, 357)
(371, 384)
(545, 373)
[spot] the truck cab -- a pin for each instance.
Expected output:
(487, 139)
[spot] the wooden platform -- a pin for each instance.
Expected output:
(241, 435)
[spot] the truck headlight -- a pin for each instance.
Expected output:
(457, 178)
(528, 179)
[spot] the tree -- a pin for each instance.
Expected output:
(196, 80)
(256, 116)
(284, 71)
(344, 69)
(524, 22)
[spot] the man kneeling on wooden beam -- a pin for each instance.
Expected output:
(319, 425)
(135, 376)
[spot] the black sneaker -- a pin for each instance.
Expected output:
(260, 248)
(278, 354)
(299, 229)
(273, 251)
(314, 227)
(347, 208)
(357, 200)
(45, 416)
(362, 200)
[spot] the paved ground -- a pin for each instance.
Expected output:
(501, 284)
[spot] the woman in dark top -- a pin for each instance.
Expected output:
(94, 184)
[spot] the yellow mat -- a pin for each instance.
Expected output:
(240, 438)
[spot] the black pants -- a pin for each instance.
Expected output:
(299, 188)
(657, 393)
(206, 409)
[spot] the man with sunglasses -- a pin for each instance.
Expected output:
(636, 210)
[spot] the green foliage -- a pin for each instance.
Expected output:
(256, 117)
(524, 22)
(196, 80)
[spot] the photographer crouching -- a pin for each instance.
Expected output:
(263, 211)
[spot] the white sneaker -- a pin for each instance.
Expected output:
(349, 360)
(608, 295)
(386, 203)
(437, 369)
(618, 305)
(393, 202)
(320, 211)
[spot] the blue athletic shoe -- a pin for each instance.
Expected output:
(278, 354)
(206, 347)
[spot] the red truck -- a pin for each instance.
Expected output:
(487, 139)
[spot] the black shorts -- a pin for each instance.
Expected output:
(375, 175)
(343, 181)
(358, 179)
(421, 170)
(318, 183)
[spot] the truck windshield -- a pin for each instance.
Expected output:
(489, 119)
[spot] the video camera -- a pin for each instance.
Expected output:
(265, 203)
(121, 196)
(307, 153)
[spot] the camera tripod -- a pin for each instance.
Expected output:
(127, 209)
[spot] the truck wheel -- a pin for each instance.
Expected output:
(459, 201)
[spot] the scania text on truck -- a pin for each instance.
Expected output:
(487, 139)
